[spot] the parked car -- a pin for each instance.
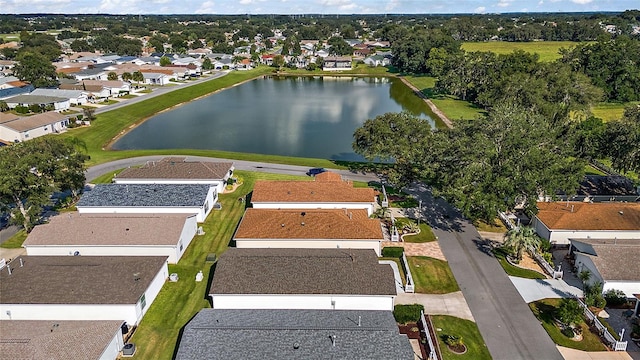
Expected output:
(315, 171)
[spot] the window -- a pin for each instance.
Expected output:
(206, 207)
(143, 302)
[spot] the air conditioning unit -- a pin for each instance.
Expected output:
(128, 350)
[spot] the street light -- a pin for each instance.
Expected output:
(419, 211)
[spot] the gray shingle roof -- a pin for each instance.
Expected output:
(109, 230)
(178, 168)
(145, 195)
(293, 334)
(615, 259)
(78, 279)
(55, 340)
(302, 271)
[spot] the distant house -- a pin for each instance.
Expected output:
(81, 287)
(54, 102)
(293, 334)
(336, 63)
(153, 78)
(599, 188)
(267, 59)
(328, 191)
(313, 229)
(334, 279)
(166, 235)
(560, 221)
(91, 74)
(615, 263)
(22, 128)
(178, 171)
(12, 86)
(76, 97)
(61, 340)
(149, 199)
(377, 60)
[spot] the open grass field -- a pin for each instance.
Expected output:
(467, 330)
(544, 310)
(547, 50)
(610, 111)
(177, 302)
(451, 106)
(432, 276)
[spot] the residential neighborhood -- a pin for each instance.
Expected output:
(406, 186)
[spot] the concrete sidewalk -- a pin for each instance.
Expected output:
(534, 290)
(572, 354)
(452, 304)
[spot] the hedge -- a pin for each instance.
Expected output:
(407, 313)
(392, 251)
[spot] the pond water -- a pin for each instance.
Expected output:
(292, 116)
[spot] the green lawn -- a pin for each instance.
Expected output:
(106, 178)
(547, 50)
(514, 270)
(451, 106)
(610, 111)
(467, 330)
(10, 37)
(432, 276)
(425, 235)
(15, 242)
(544, 310)
(177, 303)
(496, 226)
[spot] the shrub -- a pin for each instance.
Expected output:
(452, 340)
(568, 332)
(615, 297)
(593, 295)
(548, 257)
(21, 109)
(394, 252)
(407, 313)
(569, 312)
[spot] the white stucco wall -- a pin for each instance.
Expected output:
(112, 350)
(199, 211)
(11, 135)
(103, 250)
(341, 302)
(283, 205)
(630, 287)
(375, 245)
(151, 293)
(126, 312)
(562, 237)
(186, 236)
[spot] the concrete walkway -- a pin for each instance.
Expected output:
(452, 304)
(572, 354)
(535, 289)
(12, 253)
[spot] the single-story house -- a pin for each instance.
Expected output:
(334, 279)
(61, 340)
(149, 199)
(76, 97)
(560, 221)
(166, 235)
(223, 63)
(328, 191)
(613, 262)
(21, 128)
(114, 87)
(92, 91)
(336, 63)
(91, 74)
(12, 86)
(293, 334)
(80, 287)
(377, 60)
(311, 228)
(153, 78)
(58, 103)
(175, 170)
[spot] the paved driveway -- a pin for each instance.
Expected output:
(508, 327)
(535, 289)
(452, 304)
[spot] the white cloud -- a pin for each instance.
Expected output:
(581, 2)
(541, 2)
(503, 3)
(206, 7)
(480, 10)
(391, 5)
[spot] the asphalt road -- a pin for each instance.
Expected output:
(509, 328)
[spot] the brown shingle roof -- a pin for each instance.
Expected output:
(310, 191)
(104, 83)
(589, 216)
(302, 271)
(109, 229)
(308, 224)
(6, 117)
(328, 176)
(55, 340)
(35, 121)
(78, 279)
(176, 168)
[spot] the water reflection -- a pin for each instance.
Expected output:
(304, 116)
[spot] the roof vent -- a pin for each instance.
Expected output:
(303, 213)
(282, 224)
(621, 212)
(296, 346)
(302, 223)
(333, 340)
(136, 276)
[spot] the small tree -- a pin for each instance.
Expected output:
(3, 106)
(207, 64)
(89, 113)
(165, 61)
(584, 276)
(112, 76)
(517, 240)
(126, 76)
(569, 312)
(615, 297)
(137, 77)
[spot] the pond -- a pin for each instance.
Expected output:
(311, 117)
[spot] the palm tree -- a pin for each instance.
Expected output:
(126, 76)
(519, 239)
(137, 77)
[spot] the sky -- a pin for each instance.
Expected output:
(309, 6)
